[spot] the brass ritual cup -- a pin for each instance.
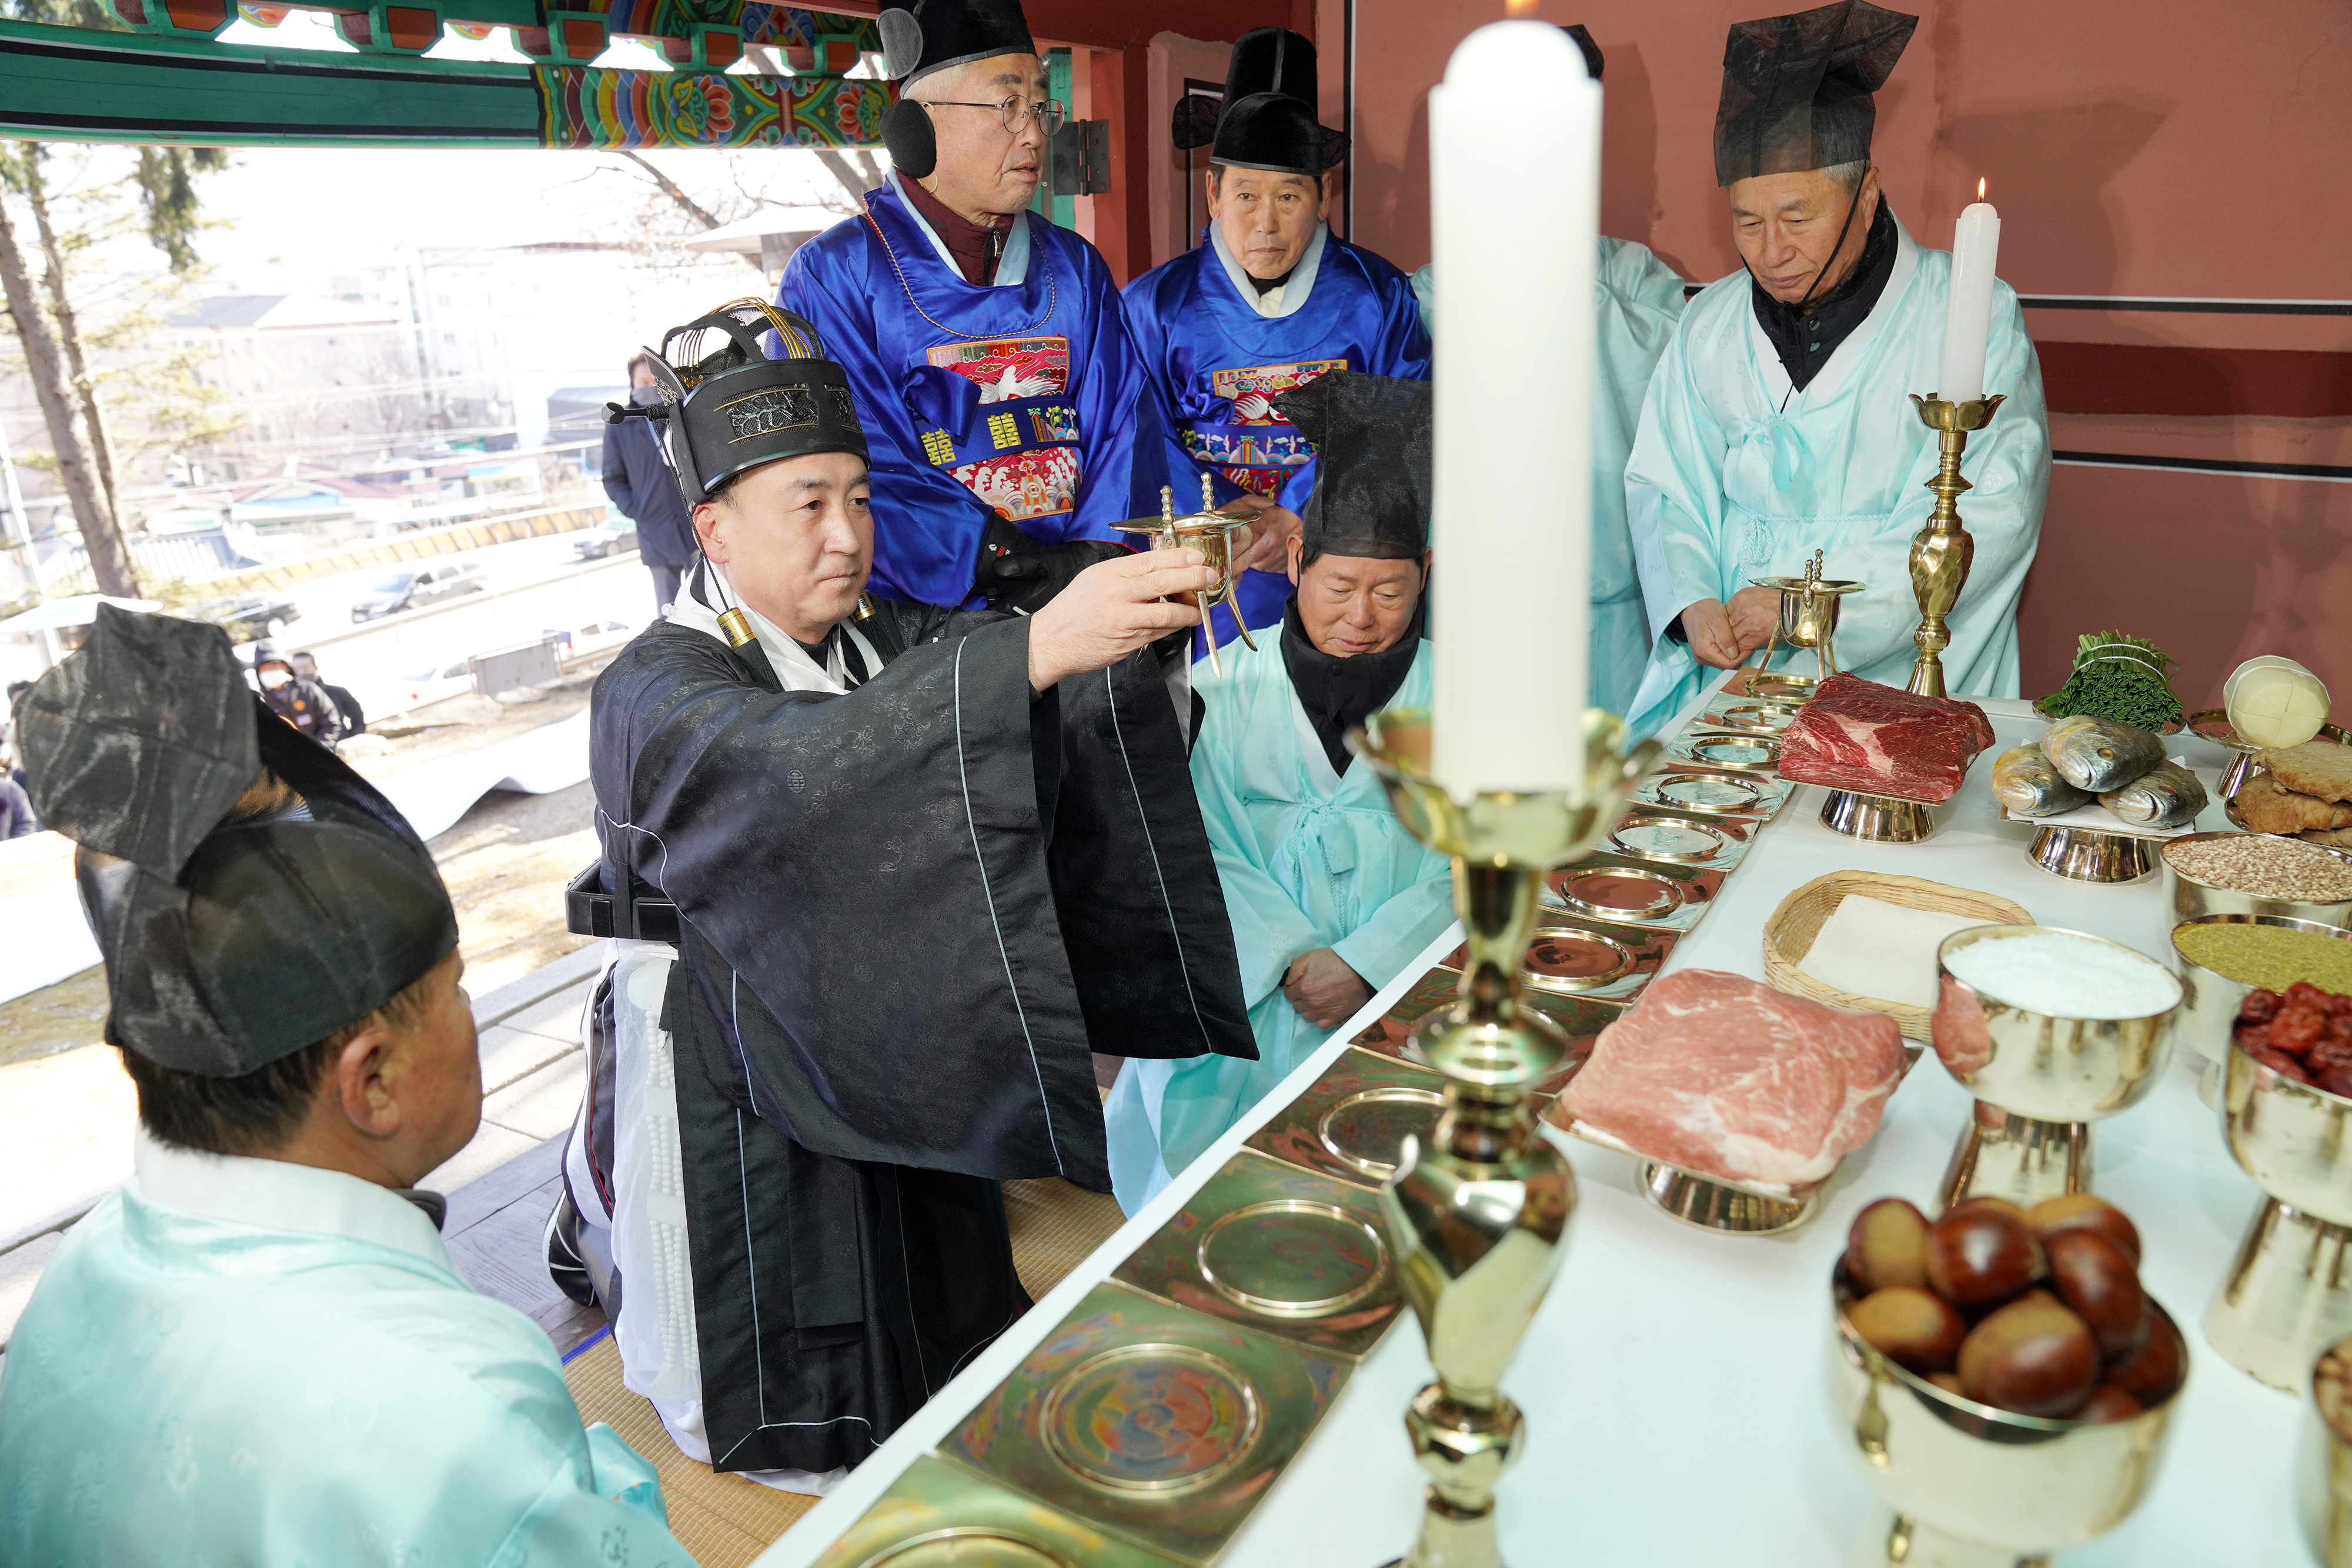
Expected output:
(2289, 1292)
(1477, 1216)
(2324, 1459)
(1211, 532)
(2040, 1079)
(1964, 1485)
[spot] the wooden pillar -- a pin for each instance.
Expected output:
(1122, 218)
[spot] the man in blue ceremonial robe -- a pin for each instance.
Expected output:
(1779, 421)
(1270, 301)
(1003, 404)
(1329, 895)
(256, 1350)
(1636, 302)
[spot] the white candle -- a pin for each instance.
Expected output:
(1514, 210)
(1968, 317)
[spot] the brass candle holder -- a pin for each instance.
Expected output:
(1477, 1216)
(1941, 550)
(1211, 532)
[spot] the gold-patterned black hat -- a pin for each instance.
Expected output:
(732, 407)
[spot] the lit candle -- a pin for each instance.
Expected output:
(1968, 317)
(1514, 212)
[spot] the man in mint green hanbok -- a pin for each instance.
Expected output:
(257, 1352)
(1329, 895)
(1779, 421)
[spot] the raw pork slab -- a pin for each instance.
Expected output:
(1858, 735)
(1719, 1074)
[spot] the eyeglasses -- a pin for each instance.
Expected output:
(1014, 114)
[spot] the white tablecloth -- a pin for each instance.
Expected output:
(1672, 1380)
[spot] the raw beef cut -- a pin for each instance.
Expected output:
(1858, 735)
(1722, 1075)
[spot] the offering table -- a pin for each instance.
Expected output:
(1673, 1379)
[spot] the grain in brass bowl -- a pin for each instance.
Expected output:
(1970, 1483)
(2191, 895)
(2209, 999)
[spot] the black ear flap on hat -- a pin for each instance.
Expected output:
(1193, 122)
(909, 138)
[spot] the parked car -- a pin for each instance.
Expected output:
(413, 587)
(607, 539)
(249, 618)
(430, 684)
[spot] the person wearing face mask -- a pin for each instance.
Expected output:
(1329, 894)
(641, 489)
(1777, 423)
(1270, 300)
(1005, 406)
(304, 703)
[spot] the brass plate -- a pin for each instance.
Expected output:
(1654, 834)
(1611, 887)
(1714, 792)
(1748, 715)
(1163, 1425)
(938, 1514)
(1349, 1124)
(1282, 1250)
(1379, 1125)
(1582, 958)
(1742, 753)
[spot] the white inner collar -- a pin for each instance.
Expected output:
(794, 667)
(274, 1195)
(1012, 268)
(1288, 298)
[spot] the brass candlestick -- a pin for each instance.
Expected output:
(1476, 1216)
(1941, 550)
(1211, 532)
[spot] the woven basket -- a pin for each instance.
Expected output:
(1788, 934)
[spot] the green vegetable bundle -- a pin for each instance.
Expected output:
(2127, 679)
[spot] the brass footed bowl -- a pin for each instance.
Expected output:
(2008, 1486)
(2209, 999)
(2324, 1460)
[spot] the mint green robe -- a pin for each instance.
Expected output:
(190, 1391)
(1638, 300)
(1308, 859)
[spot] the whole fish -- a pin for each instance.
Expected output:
(2028, 784)
(2167, 796)
(2098, 754)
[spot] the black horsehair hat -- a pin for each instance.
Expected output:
(1267, 120)
(228, 944)
(932, 35)
(1797, 89)
(1372, 437)
(732, 408)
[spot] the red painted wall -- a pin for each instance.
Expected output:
(2135, 147)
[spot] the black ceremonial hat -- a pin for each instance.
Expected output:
(1796, 90)
(932, 35)
(1268, 117)
(229, 943)
(1371, 436)
(732, 408)
(1592, 57)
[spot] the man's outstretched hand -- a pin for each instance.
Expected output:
(1324, 989)
(1110, 609)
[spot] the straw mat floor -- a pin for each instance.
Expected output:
(726, 1521)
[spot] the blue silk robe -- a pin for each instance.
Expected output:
(1308, 859)
(1639, 299)
(1023, 397)
(1216, 362)
(192, 1390)
(1724, 486)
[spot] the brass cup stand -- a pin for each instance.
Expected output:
(2040, 1081)
(2289, 1292)
(1877, 819)
(2086, 854)
(1476, 1216)
(1941, 550)
(1211, 532)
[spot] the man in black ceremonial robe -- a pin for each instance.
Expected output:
(913, 867)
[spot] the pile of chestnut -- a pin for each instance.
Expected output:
(2036, 1311)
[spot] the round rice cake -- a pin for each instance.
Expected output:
(2318, 767)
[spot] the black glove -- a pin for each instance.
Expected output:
(1017, 572)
